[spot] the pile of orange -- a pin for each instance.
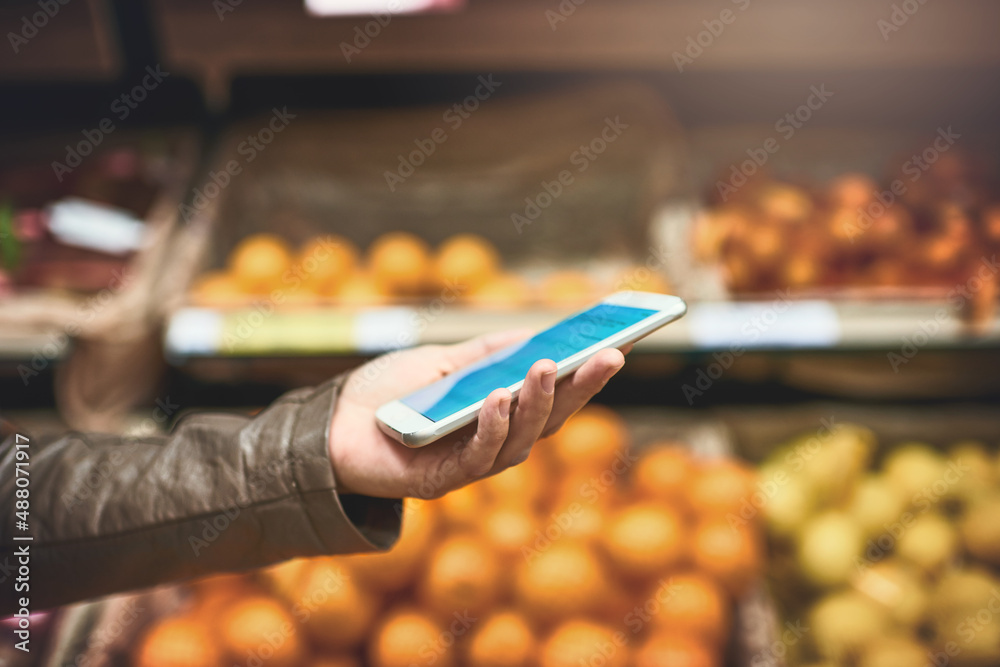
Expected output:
(397, 265)
(586, 554)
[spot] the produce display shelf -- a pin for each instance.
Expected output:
(20, 346)
(709, 326)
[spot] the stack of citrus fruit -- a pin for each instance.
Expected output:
(465, 267)
(586, 554)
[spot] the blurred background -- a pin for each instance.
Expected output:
(205, 204)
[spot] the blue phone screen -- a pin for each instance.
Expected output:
(509, 365)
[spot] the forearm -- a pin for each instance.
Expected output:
(220, 493)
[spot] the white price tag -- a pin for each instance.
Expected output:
(382, 329)
(194, 331)
(778, 323)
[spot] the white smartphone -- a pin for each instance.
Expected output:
(455, 400)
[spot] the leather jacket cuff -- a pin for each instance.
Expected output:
(340, 524)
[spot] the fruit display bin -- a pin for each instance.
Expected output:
(913, 217)
(427, 207)
(882, 530)
(581, 575)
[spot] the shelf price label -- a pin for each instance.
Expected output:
(781, 323)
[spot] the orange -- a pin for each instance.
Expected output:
(463, 573)
(594, 439)
(508, 529)
(292, 294)
(461, 507)
(336, 612)
(466, 262)
(397, 568)
(663, 472)
(327, 262)
(567, 289)
(407, 637)
(400, 263)
(720, 487)
(601, 488)
(519, 486)
(560, 578)
(180, 641)
(344, 660)
(577, 519)
(283, 579)
(645, 540)
(675, 650)
(640, 279)
(215, 594)
(259, 627)
(359, 290)
(694, 605)
(217, 289)
(581, 642)
(729, 554)
(503, 639)
(504, 291)
(259, 262)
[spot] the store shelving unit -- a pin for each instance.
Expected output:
(812, 325)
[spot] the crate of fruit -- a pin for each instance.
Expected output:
(610, 546)
(883, 527)
(532, 200)
(910, 217)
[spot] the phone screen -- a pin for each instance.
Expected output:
(507, 366)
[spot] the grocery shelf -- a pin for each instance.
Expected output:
(27, 346)
(59, 41)
(708, 326)
(279, 37)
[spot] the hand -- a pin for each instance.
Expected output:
(367, 461)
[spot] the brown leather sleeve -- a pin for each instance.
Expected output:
(220, 493)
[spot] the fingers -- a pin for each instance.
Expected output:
(464, 353)
(479, 454)
(574, 392)
(534, 404)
